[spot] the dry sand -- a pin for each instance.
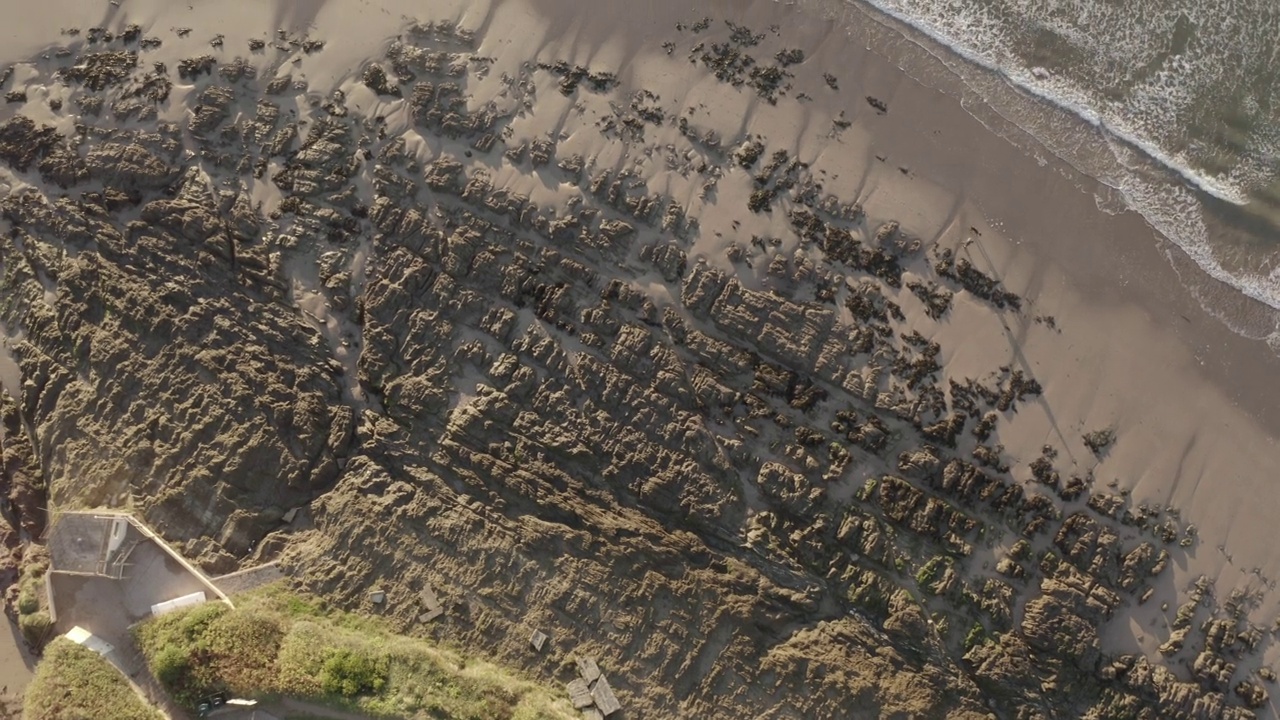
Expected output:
(1195, 415)
(15, 663)
(1193, 405)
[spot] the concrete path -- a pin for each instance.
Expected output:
(289, 707)
(129, 661)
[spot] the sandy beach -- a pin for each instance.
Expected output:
(1111, 323)
(1195, 417)
(15, 664)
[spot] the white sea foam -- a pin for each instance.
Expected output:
(976, 37)
(1141, 130)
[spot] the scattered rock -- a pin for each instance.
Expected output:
(1099, 441)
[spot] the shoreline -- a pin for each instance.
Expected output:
(1200, 394)
(1074, 107)
(1196, 419)
(1109, 329)
(1121, 171)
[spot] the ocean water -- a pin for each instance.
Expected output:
(1173, 104)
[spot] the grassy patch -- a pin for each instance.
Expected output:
(279, 643)
(35, 627)
(28, 594)
(73, 682)
(33, 621)
(976, 636)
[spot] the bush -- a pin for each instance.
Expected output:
(977, 634)
(28, 600)
(75, 682)
(30, 586)
(348, 674)
(35, 626)
(931, 571)
(184, 629)
(176, 648)
(171, 666)
(279, 643)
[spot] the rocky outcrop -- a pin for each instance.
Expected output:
(746, 483)
(161, 373)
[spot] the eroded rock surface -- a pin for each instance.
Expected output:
(749, 494)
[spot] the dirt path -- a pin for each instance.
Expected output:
(129, 661)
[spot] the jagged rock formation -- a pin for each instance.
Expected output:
(745, 502)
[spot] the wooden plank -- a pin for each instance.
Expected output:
(538, 640)
(603, 695)
(588, 669)
(430, 615)
(580, 693)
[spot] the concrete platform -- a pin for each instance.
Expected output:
(107, 571)
(107, 607)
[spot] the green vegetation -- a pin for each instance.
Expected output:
(28, 596)
(870, 597)
(33, 621)
(73, 682)
(349, 674)
(867, 490)
(931, 572)
(278, 643)
(35, 626)
(977, 635)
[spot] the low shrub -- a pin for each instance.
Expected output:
(171, 665)
(35, 626)
(31, 587)
(280, 643)
(28, 599)
(74, 682)
(349, 674)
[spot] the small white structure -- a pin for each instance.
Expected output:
(168, 606)
(119, 527)
(80, 636)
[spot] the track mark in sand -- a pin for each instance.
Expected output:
(1179, 475)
